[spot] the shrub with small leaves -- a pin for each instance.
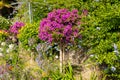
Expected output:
(28, 35)
(101, 35)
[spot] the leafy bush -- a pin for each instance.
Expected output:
(101, 35)
(41, 8)
(28, 35)
(4, 23)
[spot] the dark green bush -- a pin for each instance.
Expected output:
(102, 33)
(41, 8)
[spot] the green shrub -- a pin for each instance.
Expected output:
(41, 8)
(101, 35)
(28, 35)
(4, 23)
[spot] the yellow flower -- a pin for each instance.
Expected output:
(4, 32)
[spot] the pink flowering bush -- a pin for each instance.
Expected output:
(61, 25)
(15, 27)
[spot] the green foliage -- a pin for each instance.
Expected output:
(4, 23)
(101, 32)
(28, 35)
(93, 76)
(41, 8)
(56, 75)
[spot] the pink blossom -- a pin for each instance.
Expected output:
(60, 26)
(15, 27)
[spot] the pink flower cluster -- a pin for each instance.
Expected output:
(60, 25)
(15, 27)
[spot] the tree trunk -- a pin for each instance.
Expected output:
(61, 57)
